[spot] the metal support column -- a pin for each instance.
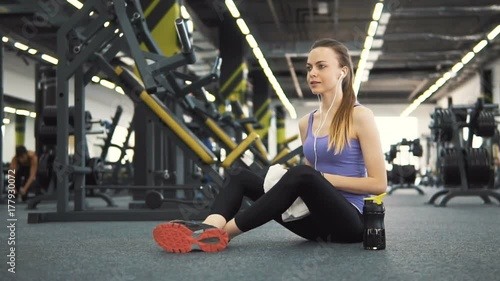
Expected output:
(170, 154)
(1, 110)
(168, 157)
(61, 160)
(233, 77)
(157, 155)
(45, 95)
(180, 159)
(39, 91)
(143, 160)
(80, 140)
(107, 141)
(280, 127)
(261, 102)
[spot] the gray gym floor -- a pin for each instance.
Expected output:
(458, 242)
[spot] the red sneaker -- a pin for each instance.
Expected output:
(182, 237)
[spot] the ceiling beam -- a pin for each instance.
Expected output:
(26, 7)
(275, 15)
(445, 11)
(412, 64)
(376, 73)
(299, 48)
(429, 36)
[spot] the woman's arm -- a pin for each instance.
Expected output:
(366, 131)
(33, 170)
(13, 163)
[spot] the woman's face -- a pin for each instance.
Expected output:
(323, 70)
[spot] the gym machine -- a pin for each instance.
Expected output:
(282, 142)
(110, 133)
(46, 137)
(403, 176)
(494, 143)
(284, 156)
(204, 112)
(119, 173)
(464, 170)
(96, 46)
(123, 171)
(429, 177)
(192, 100)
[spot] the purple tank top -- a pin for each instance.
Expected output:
(349, 162)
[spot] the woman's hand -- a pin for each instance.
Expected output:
(23, 190)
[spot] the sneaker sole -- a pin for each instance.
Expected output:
(177, 238)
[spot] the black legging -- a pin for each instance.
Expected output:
(332, 217)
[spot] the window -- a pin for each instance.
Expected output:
(392, 131)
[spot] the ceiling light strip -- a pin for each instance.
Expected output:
(363, 69)
(17, 111)
(77, 4)
(260, 57)
(468, 57)
(50, 59)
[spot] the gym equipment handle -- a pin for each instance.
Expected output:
(239, 150)
(180, 26)
(289, 140)
(128, 81)
(236, 107)
(216, 68)
(198, 85)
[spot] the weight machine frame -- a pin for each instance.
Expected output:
(100, 46)
(402, 185)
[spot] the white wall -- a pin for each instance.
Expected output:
(467, 93)
(101, 102)
(470, 91)
(495, 67)
(9, 137)
(9, 141)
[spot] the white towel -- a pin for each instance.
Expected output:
(298, 209)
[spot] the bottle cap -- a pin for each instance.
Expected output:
(377, 199)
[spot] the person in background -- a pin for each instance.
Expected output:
(25, 165)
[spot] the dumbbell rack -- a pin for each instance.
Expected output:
(407, 171)
(447, 132)
(47, 134)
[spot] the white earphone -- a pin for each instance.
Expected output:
(322, 122)
(342, 74)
